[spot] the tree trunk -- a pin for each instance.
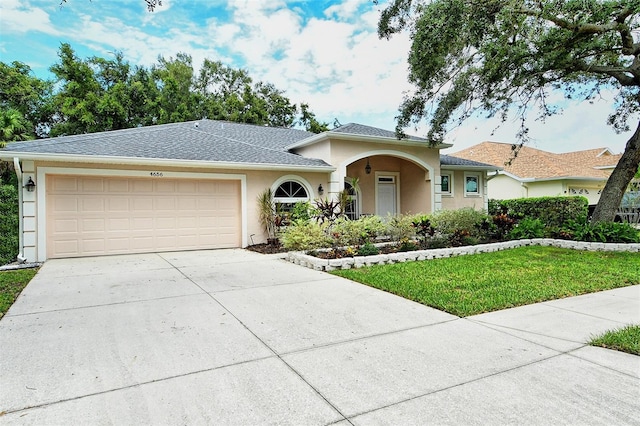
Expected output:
(618, 182)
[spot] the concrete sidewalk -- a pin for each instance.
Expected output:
(234, 337)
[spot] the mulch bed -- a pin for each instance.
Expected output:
(267, 248)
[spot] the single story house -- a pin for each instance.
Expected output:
(194, 185)
(538, 173)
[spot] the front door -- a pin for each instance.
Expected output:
(386, 196)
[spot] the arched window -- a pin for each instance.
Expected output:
(288, 193)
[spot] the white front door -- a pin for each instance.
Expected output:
(386, 196)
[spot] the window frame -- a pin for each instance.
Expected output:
(478, 177)
(448, 193)
(288, 202)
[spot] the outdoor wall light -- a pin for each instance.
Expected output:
(367, 168)
(30, 185)
(320, 189)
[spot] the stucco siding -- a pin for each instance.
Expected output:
(457, 199)
(503, 187)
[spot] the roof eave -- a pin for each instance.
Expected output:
(592, 179)
(462, 167)
(362, 138)
(9, 155)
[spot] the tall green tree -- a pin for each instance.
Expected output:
(230, 94)
(31, 96)
(309, 121)
(174, 78)
(507, 56)
(76, 102)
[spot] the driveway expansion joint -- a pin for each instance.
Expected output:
(135, 385)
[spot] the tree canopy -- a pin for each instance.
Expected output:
(507, 57)
(99, 94)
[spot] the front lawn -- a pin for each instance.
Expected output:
(626, 339)
(11, 284)
(473, 284)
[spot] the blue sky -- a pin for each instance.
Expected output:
(322, 52)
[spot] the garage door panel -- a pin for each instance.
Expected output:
(92, 216)
(66, 183)
(92, 185)
(65, 204)
(117, 185)
(142, 204)
(65, 225)
(118, 204)
(142, 186)
(93, 225)
(92, 204)
(118, 224)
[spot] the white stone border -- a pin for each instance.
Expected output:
(302, 259)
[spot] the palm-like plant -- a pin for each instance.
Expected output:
(12, 126)
(267, 213)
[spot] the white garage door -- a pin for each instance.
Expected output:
(89, 216)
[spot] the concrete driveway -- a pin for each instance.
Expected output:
(234, 337)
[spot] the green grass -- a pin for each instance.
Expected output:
(626, 339)
(473, 284)
(11, 284)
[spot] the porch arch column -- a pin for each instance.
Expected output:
(336, 182)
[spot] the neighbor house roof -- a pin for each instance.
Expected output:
(536, 164)
(207, 141)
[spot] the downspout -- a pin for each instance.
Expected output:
(492, 175)
(18, 169)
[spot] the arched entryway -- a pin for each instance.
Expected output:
(390, 182)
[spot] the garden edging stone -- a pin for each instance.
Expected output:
(327, 265)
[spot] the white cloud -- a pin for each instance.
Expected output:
(581, 125)
(21, 17)
(334, 61)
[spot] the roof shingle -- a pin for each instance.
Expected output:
(202, 140)
(532, 163)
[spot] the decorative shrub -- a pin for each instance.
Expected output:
(303, 235)
(554, 212)
(355, 232)
(527, 228)
(600, 232)
(465, 219)
(423, 227)
(401, 227)
(303, 211)
(407, 245)
(328, 210)
(368, 249)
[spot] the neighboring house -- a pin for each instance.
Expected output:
(537, 173)
(195, 185)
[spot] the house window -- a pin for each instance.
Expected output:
(288, 193)
(471, 184)
(352, 209)
(445, 183)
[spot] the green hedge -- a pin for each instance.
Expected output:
(8, 223)
(554, 212)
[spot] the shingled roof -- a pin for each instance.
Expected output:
(532, 163)
(361, 129)
(451, 161)
(202, 140)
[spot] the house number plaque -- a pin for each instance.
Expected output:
(156, 174)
